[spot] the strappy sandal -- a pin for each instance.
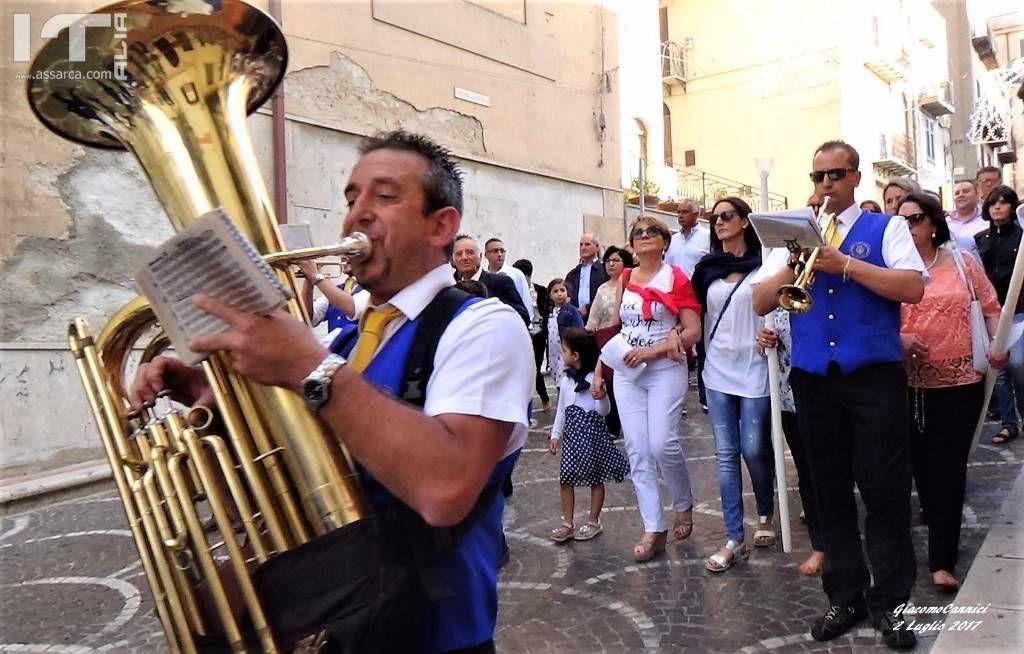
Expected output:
(1005, 435)
(562, 533)
(683, 526)
(650, 546)
(719, 562)
(765, 534)
(588, 530)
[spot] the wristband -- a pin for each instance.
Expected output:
(846, 269)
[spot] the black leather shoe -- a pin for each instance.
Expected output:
(894, 631)
(837, 621)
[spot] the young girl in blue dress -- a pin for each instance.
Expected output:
(589, 456)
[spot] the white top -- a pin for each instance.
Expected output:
(963, 231)
(646, 333)
(483, 365)
(685, 251)
(733, 365)
(522, 286)
(898, 251)
(320, 304)
(567, 396)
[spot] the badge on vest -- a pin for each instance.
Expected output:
(860, 250)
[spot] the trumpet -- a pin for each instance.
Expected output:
(796, 297)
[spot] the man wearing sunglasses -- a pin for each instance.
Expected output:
(850, 389)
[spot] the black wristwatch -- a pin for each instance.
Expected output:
(316, 387)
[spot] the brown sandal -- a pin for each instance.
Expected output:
(683, 526)
(1005, 435)
(650, 546)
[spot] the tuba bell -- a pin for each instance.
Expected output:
(173, 82)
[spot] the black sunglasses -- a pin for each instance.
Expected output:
(915, 218)
(835, 174)
(640, 232)
(725, 216)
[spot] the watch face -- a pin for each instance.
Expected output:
(314, 391)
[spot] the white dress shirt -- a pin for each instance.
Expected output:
(478, 368)
(685, 251)
(522, 286)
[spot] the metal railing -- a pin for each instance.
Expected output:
(707, 189)
(673, 63)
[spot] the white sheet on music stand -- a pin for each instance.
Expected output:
(777, 229)
(296, 236)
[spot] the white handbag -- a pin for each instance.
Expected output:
(979, 330)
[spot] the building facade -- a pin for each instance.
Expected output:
(527, 95)
(777, 79)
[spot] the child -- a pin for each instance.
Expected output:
(563, 316)
(589, 457)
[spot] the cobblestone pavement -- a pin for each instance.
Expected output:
(71, 582)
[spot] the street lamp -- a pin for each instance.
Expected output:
(764, 168)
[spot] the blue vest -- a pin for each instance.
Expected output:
(471, 570)
(848, 323)
(336, 319)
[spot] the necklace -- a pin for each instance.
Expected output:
(934, 259)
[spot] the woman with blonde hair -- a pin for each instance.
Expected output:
(655, 301)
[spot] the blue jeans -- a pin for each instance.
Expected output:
(1009, 388)
(741, 426)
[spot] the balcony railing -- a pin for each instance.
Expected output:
(896, 155)
(890, 64)
(673, 64)
(708, 189)
(938, 100)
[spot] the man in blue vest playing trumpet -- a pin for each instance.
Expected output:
(849, 385)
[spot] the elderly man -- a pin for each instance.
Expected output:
(466, 261)
(691, 242)
(987, 178)
(439, 464)
(588, 275)
(494, 252)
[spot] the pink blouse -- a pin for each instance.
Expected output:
(942, 319)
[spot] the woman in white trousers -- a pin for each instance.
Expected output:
(659, 318)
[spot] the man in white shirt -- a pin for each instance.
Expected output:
(466, 262)
(495, 253)
(965, 220)
(691, 242)
(850, 388)
(405, 194)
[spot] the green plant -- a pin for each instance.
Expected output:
(650, 188)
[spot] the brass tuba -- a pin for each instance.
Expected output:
(172, 82)
(796, 297)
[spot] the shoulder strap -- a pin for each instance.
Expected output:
(726, 305)
(959, 261)
(419, 363)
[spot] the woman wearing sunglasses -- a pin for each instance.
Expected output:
(735, 376)
(655, 299)
(945, 393)
(997, 247)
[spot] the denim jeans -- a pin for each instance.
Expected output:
(1009, 388)
(741, 427)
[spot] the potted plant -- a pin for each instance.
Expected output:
(650, 192)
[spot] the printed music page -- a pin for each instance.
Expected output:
(211, 257)
(783, 229)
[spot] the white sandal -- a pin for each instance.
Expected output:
(764, 537)
(562, 533)
(588, 530)
(719, 562)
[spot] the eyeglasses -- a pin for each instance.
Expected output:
(725, 216)
(651, 231)
(915, 218)
(613, 260)
(835, 174)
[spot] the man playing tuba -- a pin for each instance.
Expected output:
(442, 461)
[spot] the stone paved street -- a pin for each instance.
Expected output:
(71, 581)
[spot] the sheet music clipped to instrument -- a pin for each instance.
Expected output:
(211, 257)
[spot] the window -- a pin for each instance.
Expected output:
(929, 138)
